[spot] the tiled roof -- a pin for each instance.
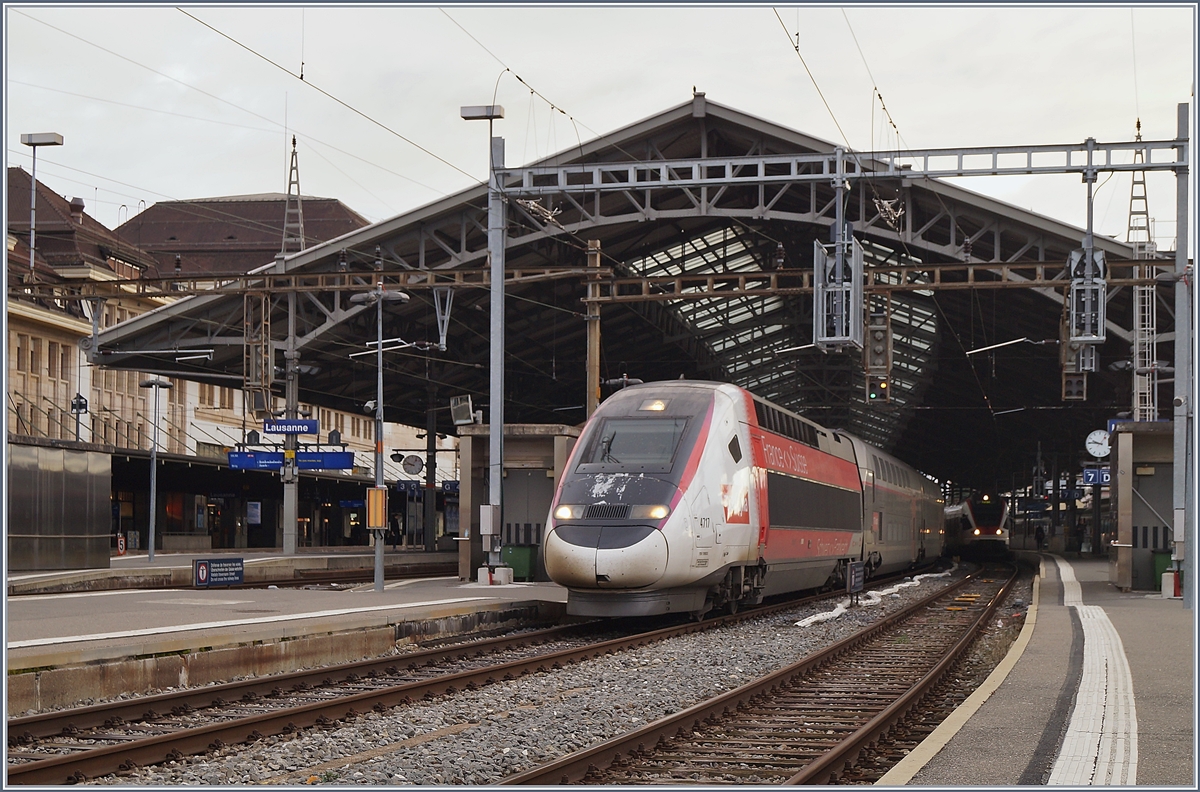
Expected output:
(63, 240)
(233, 233)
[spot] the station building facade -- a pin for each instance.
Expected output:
(58, 403)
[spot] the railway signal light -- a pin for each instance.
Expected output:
(1074, 386)
(878, 389)
(877, 351)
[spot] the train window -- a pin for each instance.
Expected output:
(636, 442)
(735, 449)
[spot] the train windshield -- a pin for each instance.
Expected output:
(635, 444)
(988, 513)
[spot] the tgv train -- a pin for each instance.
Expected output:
(978, 526)
(689, 496)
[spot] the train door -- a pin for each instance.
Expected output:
(915, 528)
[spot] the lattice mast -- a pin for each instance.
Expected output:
(293, 213)
(1145, 314)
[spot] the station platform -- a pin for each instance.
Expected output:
(174, 569)
(1097, 690)
(95, 637)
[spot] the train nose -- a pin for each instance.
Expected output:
(607, 557)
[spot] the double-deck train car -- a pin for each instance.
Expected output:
(978, 526)
(688, 496)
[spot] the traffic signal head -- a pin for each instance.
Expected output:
(1074, 386)
(877, 389)
(877, 345)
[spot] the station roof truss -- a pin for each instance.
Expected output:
(706, 218)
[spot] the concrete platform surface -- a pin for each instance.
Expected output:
(1102, 694)
(65, 648)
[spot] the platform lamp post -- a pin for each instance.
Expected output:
(33, 141)
(378, 296)
(79, 406)
(489, 515)
(157, 383)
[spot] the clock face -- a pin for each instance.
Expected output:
(1097, 443)
(412, 464)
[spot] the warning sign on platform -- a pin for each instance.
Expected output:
(854, 577)
(217, 572)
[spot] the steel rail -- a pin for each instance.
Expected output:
(153, 750)
(825, 769)
(573, 767)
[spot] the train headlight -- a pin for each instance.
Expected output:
(565, 512)
(999, 531)
(977, 532)
(650, 512)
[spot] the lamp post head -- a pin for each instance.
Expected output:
(156, 382)
(42, 139)
(369, 298)
(481, 112)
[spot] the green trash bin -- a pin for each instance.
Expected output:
(1162, 563)
(520, 558)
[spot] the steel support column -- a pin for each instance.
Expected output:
(496, 219)
(1183, 499)
(593, 328)
(289, 473)
(431, 470)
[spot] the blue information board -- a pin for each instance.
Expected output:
(305, 460)
(255, 460)
(217, 572)
(324, 460)
(1096, 476)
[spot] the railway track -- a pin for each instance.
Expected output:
(75, 745)
(805, 723)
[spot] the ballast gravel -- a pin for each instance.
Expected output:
(482, 736)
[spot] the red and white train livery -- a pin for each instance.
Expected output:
(687, 496)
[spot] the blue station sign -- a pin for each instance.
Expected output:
(305, 460)
(291, 426)
(1096, 476)
(255, 460)
(324, 460)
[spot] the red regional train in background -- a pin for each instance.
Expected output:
(686, 496)
(978, 527)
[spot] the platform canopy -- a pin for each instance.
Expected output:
(973, 419)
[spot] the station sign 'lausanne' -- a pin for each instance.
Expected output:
(291, 426)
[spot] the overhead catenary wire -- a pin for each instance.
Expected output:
(206, 93)
(328, 95)
(380, 124)
(796, 47)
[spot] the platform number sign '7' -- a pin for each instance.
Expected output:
(1096, 476)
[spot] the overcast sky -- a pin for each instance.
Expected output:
(155, 105)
